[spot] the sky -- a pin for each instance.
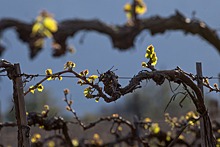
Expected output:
(96, 53)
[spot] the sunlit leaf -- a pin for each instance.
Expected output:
(43, 112)
(168, 137)
(181, 137)
(38, 136)
(87, 92)
(33, 140)
(155, 128)
(39, 43)
(37, 27)
(147, 120)
(69, 65)
(149, 51)
(144, 64)
(141, 8)
(48, 72)
(97, 100)
(41, 127)
(75, 142)
(120, 128)
(80, 82)
(46, 107)
(40, 87)
(96, 136)
(47, 33)
(60, 78)
(127, 7)
(31, 88)
(50, 24)
(44, 25)
(154, 59)
(92, 78)
(51, 144)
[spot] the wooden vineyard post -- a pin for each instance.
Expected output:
(200, 85)
(20, 112)
(207, 136)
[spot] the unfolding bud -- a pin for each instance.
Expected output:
(46, 107)
(32, 89)
(75, 142)
(80, 82)
(66, 91)
(70, 102)
(206, 81)
(115, 115)
(96, 136)
(69, 65)
(41, 127)
(48, 72)
(60, 78)
(144, 64)
(154, 59)
(149, 51)
(37, 136)
(155, 128)
(40, 87)
(84, 72)
(92, 78)
(120, 128)
(216, 86)
(43, 112)
(97, 100)
(68, 108)
(147, 120)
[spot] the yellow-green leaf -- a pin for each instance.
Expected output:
(154, 59)
(47, 33)
(80, 82)
(147, 120)
(75, 142)
(127, 7)
(60, 78)
(46, 107)
(31, 88)
(92, 78)
(37, 27)
(155, 128)
(149, 51)
(50, 24)
(40, 87)
(51, 144)
(87, 92)
(39, 43)
(144, 64)
(48, 72)
(97, 100)
(168, 137)
(69, 65)
(44, 25)
(141, 8)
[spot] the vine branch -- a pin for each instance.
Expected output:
(122, 36)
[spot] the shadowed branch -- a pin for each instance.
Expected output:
(122, 36)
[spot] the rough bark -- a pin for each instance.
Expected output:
(122, 36)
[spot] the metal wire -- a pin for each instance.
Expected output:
(123, 77)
